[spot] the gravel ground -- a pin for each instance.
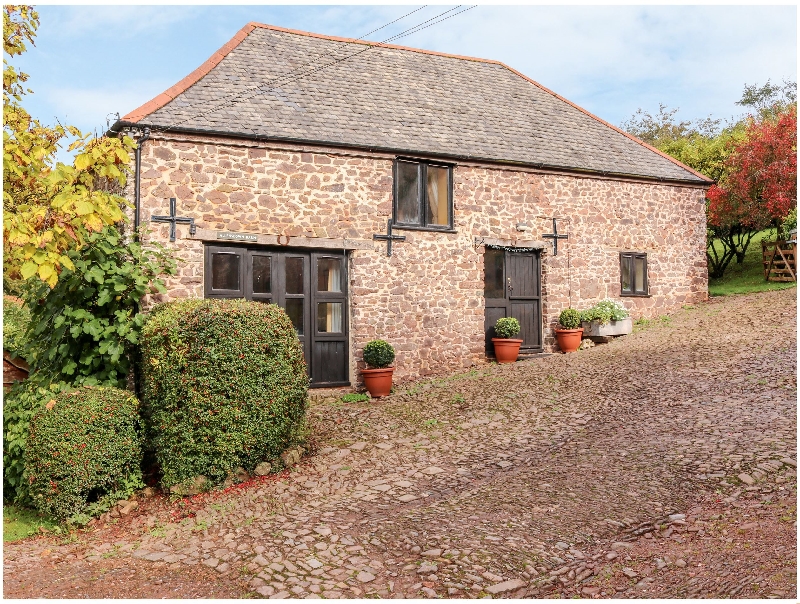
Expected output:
(660, 465)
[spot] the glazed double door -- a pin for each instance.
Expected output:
(311, 286)
(512, 288)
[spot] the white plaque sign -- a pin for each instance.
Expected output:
(237, 236)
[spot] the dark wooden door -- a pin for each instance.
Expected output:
(310, 286)
(512, 288)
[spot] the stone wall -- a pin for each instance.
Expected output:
(427, 299)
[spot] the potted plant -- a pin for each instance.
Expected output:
(569, 331)
(506, 348)
(378, 355)
(606, 318)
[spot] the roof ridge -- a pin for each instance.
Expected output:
(368, 43)
(173, 91)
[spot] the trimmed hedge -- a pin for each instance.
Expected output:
(20, 404)
(84, 453)
(224, 386)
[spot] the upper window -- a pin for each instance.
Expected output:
(423, 196)
(633, 274)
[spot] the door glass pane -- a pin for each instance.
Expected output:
(329, 317)
(625, 267)
(294, 275)
(329, 275)
(639, 263)
(408, 193)
(225, 271)
(493, 274)
(294, 308)
(437, 196)
(262, 274)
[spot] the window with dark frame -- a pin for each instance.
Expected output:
(633, 274)
(423, 195)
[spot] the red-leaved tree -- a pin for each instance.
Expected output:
(759, 189)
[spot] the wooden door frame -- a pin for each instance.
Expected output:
(506, 301)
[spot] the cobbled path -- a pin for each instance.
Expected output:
(662, 464)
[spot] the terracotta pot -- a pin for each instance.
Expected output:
(378, 381)
(569, 340)
(506, 350)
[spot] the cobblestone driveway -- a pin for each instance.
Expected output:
(660, 465)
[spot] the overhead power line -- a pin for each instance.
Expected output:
(311, 62)
(282, 79)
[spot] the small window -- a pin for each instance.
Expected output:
(423, 195)
(633, 274)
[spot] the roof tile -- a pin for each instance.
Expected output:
(266, 82)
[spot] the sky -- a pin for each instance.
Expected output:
(90, 62)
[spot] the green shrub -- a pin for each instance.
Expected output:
(87, 326)
(378, 354)
(19, 406)
(224, 386)
(506, 327)
(84, 453)
(16, 319)
(605, 311)
(569, 318)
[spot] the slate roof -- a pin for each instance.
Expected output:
(395, 99)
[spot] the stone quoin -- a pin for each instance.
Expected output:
(290, 181)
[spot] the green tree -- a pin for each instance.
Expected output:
(770, 100)
(49, 207)
(706, 146)
(62, 236)
(85, 329)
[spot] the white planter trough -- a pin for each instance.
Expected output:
(593, 329)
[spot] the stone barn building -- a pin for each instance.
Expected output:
(288, 152)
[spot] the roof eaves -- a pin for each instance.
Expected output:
(412, 153)
(612, 126)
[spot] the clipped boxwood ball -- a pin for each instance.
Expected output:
(569, 318)
(378, 354)
(224, 386)
(84, 453)
(506, 327)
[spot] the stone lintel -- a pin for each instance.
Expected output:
(523, 243)
(223, 237)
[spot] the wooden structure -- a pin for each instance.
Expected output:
(14, 370)
(780, 260)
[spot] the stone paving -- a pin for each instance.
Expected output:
(564, 475)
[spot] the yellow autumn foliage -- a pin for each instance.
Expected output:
(50, 207)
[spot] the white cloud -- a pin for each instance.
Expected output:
(613, 60)
(119, 22)
(91, 60)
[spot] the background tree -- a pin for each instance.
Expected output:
(759, 186)
(50, 207)
(733, 151)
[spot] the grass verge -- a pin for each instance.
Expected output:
(747, 277)
(20, 523)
